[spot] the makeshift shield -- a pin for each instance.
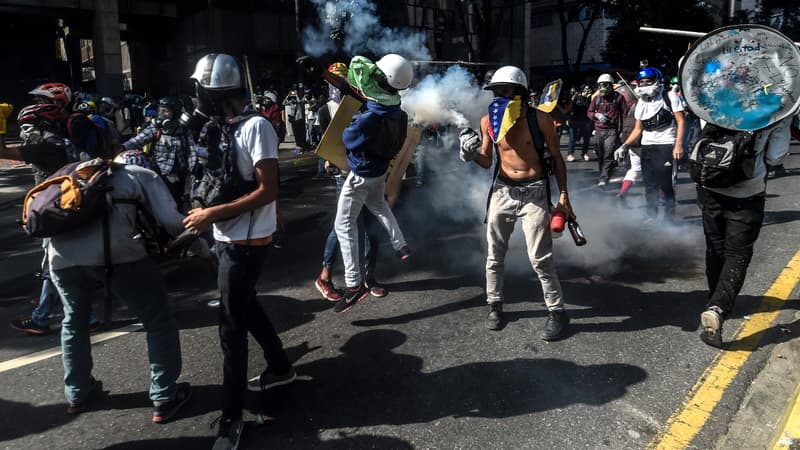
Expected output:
(549, 98)
(742, 77)
(331, 147)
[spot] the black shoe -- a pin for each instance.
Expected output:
(495, 319)
(29, 326)
(556, 325)
(229, 432)
(404, 253)
(77, 408)
(350, 298)
(95, 326)
(711, 320)
(163, 411)
(268, 380)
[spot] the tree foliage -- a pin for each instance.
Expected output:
(781, 14)
(627, 45)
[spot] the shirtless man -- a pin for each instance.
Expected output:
(519, 192)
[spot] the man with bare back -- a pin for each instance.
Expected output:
(519, 192)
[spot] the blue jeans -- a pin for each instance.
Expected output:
(239, 312)
(140, 286)
(367, 240)
(48, 296)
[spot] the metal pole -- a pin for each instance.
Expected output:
(680, 32)
(297, 30)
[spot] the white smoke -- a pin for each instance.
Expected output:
(453, 98)
(362, 32)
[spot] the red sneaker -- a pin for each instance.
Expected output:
(326, 288)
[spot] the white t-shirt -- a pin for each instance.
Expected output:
(253, 141)
(647, 109)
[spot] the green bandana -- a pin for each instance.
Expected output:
(361, 77)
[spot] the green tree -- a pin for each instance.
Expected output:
(627, 45)
(781, 14)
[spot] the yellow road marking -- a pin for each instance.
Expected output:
(790, 431)
(686, 422)
(55, 351)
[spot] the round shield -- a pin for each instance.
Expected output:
(742, 77)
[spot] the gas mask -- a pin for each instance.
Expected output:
(605, 89)
(649, 92)
(29, 134)
(168, 125)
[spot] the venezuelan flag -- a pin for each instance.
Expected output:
(503, 114)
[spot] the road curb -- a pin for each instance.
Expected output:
(770, 395)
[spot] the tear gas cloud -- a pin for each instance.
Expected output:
(362, 31)
(453, 98)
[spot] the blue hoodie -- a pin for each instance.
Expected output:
(360, 134)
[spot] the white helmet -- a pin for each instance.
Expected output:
(508, 76)
(397, 69)
(218, 72)
(605, 78)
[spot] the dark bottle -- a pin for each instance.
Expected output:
(576, 232)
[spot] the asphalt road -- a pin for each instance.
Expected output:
(417, 369)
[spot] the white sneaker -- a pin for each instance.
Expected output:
(570, 158)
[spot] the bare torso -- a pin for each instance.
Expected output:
(518, 157)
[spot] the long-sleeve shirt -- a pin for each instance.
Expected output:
(614, 109)
(771, 146)
(360, 136)
(84, 246)
(172, 154)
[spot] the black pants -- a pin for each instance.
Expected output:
(731, 226)
(239, 269)
(606, 142)
(657, 176)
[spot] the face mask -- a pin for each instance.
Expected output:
(29, 134)
(648, 92)
(604, 91)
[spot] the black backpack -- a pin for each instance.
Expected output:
(389, 138)
(722, 158)
(218, 181)
(70, 198)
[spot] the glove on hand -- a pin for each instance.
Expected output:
(5, 111)
(602, 118)
(621, 152)
(469, 143)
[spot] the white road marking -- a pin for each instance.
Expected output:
(21, 361)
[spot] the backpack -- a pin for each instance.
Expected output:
(73, 196)
(722, 157)
(388, 138)
(88, 135)
(662, 118)
(219, 181)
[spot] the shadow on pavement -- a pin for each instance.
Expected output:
(371, 385)
(23, 419)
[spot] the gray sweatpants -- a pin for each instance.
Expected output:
(358, 192)
(528, 203)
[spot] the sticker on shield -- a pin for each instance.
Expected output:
(742, 77)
